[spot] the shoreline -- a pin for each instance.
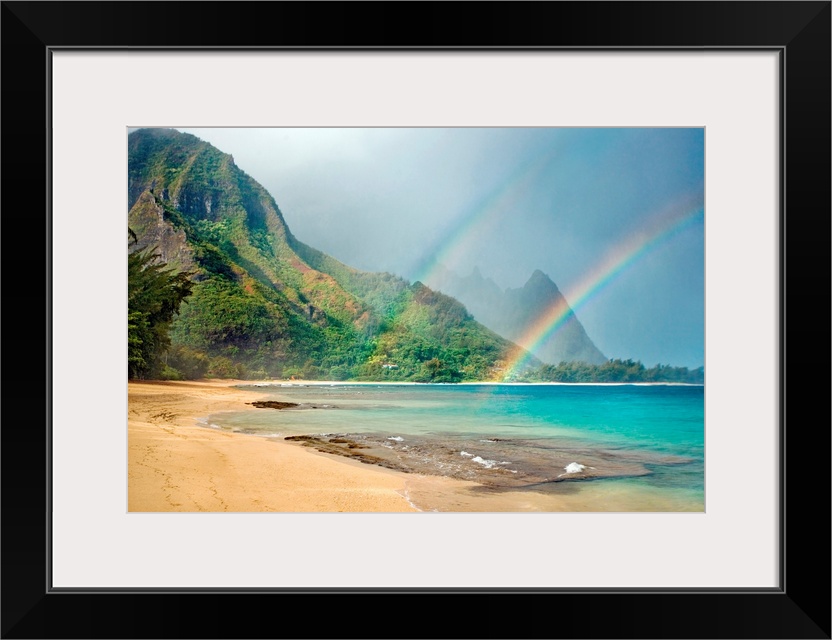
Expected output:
(176, 465)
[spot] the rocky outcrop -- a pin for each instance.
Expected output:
(147, 220)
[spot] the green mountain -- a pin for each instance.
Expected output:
(513, 312)
(265, 304)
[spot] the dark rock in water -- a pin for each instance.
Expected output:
(499, 464)
(272, 404)
(333, 446)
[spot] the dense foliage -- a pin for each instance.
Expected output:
(266, 305)
(154, 296)
(613, 371)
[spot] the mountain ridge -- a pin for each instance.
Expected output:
(266, 304)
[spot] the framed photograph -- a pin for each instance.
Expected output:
(89, 84)
(394, 346)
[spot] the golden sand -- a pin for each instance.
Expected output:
(175, 465)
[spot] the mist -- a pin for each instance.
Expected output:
(613, 216)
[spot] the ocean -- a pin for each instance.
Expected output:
(514, 447)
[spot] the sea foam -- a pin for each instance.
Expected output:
(574, 467)
(488, 464)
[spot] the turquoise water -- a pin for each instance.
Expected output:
(645, 443)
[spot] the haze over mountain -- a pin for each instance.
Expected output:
(266, 304)
(514, 313)
(595, 208)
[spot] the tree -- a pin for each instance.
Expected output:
(154, 294)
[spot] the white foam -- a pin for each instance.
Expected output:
(488, 464)
(466, 454)
(396, 438)
(406, 496)
(574, 467)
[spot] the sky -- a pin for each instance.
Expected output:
(615, 217)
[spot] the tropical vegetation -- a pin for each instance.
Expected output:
(154, 295)
(614, 370)
(264, 305)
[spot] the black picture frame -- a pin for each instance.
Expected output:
(798, 608)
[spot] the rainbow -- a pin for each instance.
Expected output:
(670, 224)
(473, 224)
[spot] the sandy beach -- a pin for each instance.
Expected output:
(175, 465)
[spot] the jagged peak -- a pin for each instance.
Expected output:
(537, 274)
(538, 280)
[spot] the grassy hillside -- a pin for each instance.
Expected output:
(266, 305)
